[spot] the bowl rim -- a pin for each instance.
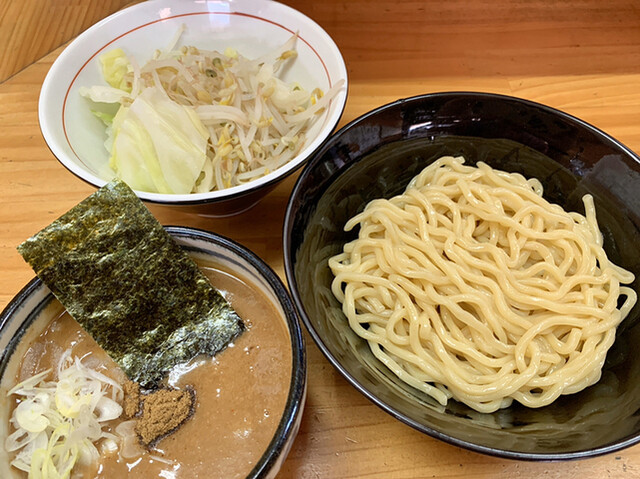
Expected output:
(317, 338)
(236, 7)
(287, 426)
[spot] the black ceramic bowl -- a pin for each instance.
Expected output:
(21, 313)
(375, 156)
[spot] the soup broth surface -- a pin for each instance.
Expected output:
(240, 395)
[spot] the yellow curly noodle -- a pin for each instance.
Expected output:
(471, 285)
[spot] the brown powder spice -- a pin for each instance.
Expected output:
(131, 403)
(157, 413)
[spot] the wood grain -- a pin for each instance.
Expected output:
(581, 56)
(29, 29)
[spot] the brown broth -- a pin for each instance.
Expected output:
(240, 394)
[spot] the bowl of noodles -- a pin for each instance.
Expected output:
(469, 263)
(204, 105)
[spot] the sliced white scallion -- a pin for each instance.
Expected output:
(58, 422)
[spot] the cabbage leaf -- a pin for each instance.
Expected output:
(115, 65)
(158, 145)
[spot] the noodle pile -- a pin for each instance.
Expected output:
(470, 285)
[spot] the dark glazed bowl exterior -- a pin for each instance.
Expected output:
(21, 312)
(375, 156)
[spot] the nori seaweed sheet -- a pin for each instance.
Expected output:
(131, 287)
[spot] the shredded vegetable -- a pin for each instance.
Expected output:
(254, 122)
(58, 423)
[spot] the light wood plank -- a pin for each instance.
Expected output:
(29, 29)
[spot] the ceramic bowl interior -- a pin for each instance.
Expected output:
(253, 27)
(23, 311)
(375, 157)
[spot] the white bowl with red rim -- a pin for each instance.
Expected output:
(253, 27)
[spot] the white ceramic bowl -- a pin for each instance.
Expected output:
(253, 27)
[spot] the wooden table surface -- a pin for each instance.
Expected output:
(581, 56)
